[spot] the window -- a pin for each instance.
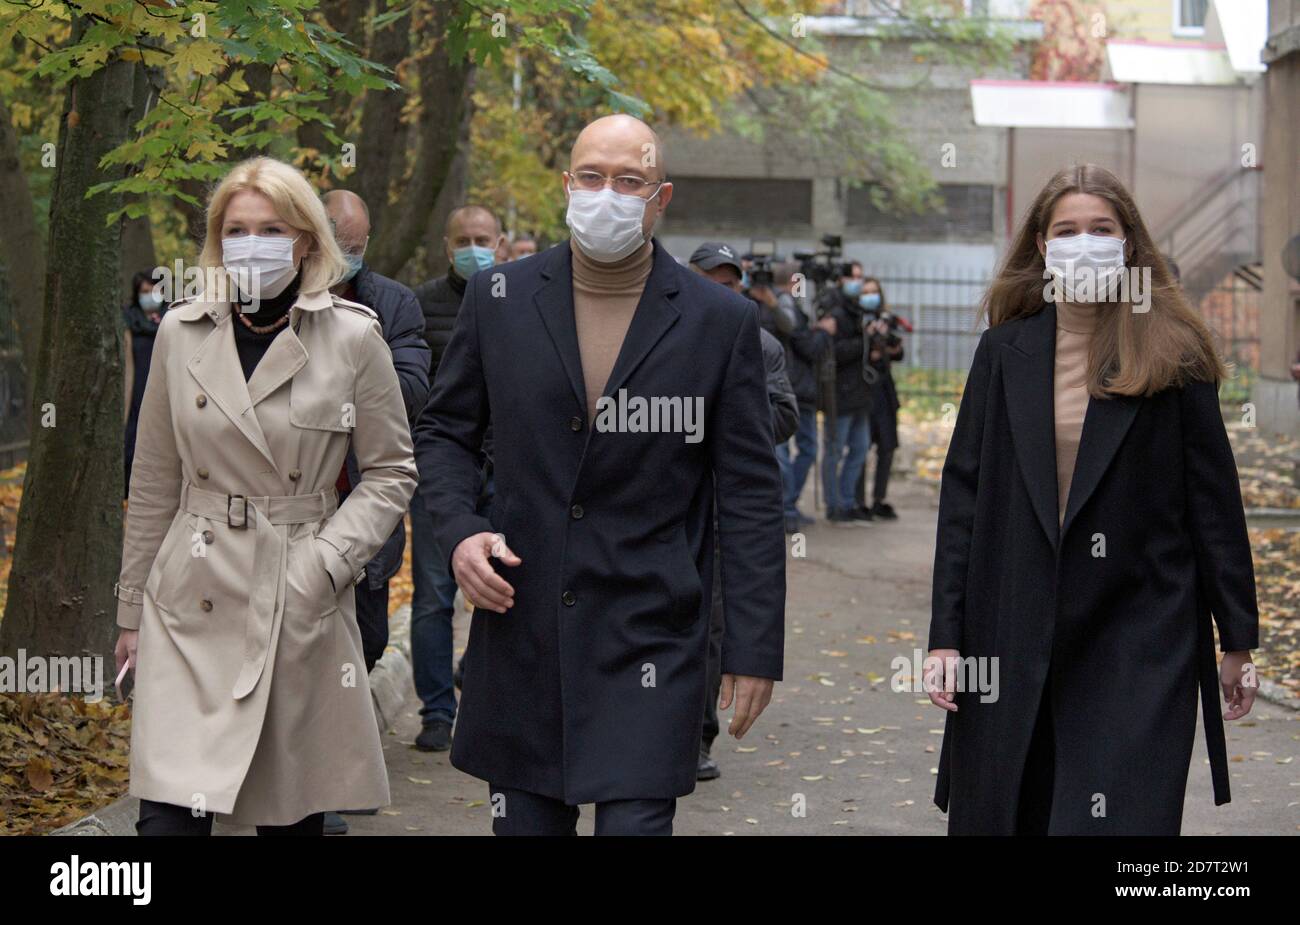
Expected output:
(967, 214)
(739, 203)
(1189, 17)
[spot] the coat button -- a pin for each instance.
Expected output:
(205, 604)
(208, 537)
(568, 598)
(202, 473)
(576, 512)
(295, 475)
(200, 400)
(575, 424)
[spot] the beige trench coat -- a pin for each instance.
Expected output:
(251, 694)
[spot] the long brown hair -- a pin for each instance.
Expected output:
(1130, 353)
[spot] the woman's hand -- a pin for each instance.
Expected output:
(1237, 677)
(125, 648)
(940, 678)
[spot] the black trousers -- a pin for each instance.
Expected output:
(1034, 811)
(883, 421)
(519, 812)
(168, 819)
(372, 620)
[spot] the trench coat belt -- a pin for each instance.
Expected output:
(269, 518)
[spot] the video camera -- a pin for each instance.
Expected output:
(761, 255)
(823, 265)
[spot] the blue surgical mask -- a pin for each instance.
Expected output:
(851, 287)
(744, 280)
(869, 300)
(469, 260)
(354, 262)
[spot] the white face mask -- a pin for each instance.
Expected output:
(1088, 265)
(260, 266)
(606, 224)
(151, 299)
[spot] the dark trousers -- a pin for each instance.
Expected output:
(372, 620)
(432, 610)
(518, 812)
(883, 420)
(168, 819)
(1034, 811)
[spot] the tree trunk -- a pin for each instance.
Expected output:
(69, 538)
(138, 252)
(445, 87)
(453, 194)
(21, 245)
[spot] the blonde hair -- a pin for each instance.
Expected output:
(1130, 353)
(297, 205)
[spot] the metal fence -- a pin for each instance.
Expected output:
(942, 304)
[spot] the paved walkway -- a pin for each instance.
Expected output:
(836, 742)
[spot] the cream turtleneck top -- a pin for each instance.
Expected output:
(605, 296)
(1074, 324)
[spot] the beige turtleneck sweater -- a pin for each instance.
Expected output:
(605, 296)
(1074, 324)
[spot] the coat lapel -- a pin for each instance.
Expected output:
(1027, 377)
(1104, 427)
(654, 315)
(282, 360)
(554, 302)
(215, 366)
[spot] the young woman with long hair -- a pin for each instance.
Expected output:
(1090, 526)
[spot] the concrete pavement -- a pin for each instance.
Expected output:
(838, 752)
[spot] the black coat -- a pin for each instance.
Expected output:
(852, 390)
(614, 530)
(780, 394)
(140, 333)
(806, 350)
(402, 323)
(1124, 639)
(440, 301)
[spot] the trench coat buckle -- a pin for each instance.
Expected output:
(243, 522)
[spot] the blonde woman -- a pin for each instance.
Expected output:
(235, 596)
(1090, 524)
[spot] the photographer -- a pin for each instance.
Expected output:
(847, 435)
(884, 347)
(806, 347)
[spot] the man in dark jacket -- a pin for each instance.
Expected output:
(719, 263)
(806, 347)
(847, 435)
(585, 675)
(471, 240)
(403, 327)
(471, 237)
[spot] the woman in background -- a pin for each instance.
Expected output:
(141, 317)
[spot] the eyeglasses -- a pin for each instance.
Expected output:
(627, 185)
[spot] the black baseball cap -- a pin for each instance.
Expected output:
(712, 254)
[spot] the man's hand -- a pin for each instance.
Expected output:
(475, 575)
(940, 680)
(1237, 677)
(752, 695)
(763, 295)
(827, 324)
